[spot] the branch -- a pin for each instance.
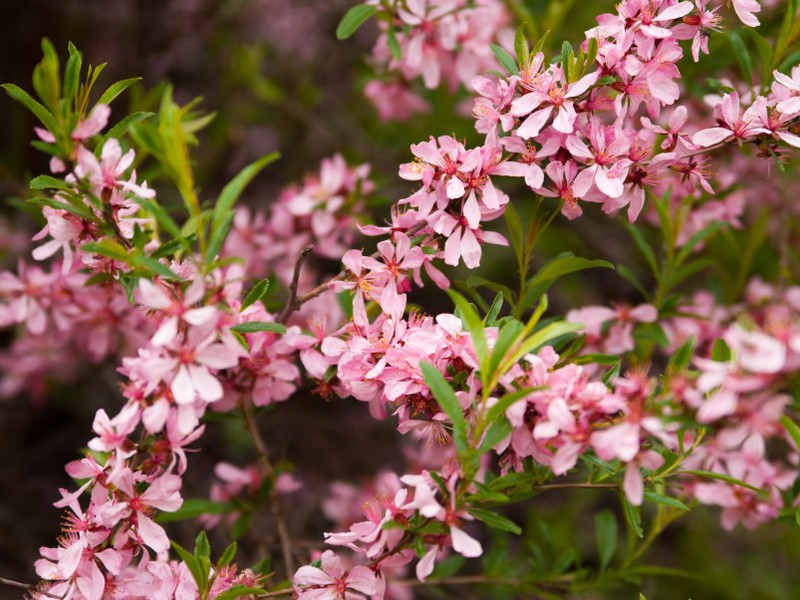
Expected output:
(277, 504)
(27, 586)
(322, 287)
(292, 304)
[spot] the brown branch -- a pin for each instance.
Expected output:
(27, 586)
(292, 304)
(322, 287)
(277, 504)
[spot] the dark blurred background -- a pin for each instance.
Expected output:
(277, 79)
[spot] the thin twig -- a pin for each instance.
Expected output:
(29, 587)
(292, 304)
(323, 287)
(277, 504)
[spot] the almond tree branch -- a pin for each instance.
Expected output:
(275, 497)
(292, 304)
(27, 586)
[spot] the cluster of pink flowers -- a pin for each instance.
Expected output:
(573, 131)
(583, 121)
(436, 40)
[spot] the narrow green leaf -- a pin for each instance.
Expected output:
(495, 521)
(46, 182)
(393, 44)
(473, 324)
(121, 128)
(21, 96)
(665, 500)
(219, 233)
(644, 247)
(606, 534)
(255, 294)
(521, 47)
(238, 591)
(564, 265)
(193, 565)
(742, 55)
(192, 508)
(227, 556)
(720, 351)
(115, 89)
(107, 248)
(725, 478)
(202, 549)
(256, 326)
(353, 19)
(792, 429)
(155, 266)
(160, 215)
(681, 358)
(632, 517)
(231, 192)
(494, 310)
(699, 237)
(505, 59)
(497, 432)
(499, 407)
(450, 405)
(72, 74)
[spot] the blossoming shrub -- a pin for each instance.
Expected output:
(214, 312)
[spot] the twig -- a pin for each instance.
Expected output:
(459, 580)
(277, 504)
(292, 304)
(27, 586)
(322, 287)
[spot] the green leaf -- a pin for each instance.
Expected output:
(632, 517)
(499, 430)
(46, 182)
(505, 59)
(72, 73)
(256, 326)
(625, 272)
(193, 564)
(665, 500)
(393, 44)
(231, 192)
(21, 96)
(545, 335)
(495, 521)
(606, 534)
(160, 215)
(202, 549)
(107, 248)
(115, 89)
(699, 237)
(644, 247)
(742, 55)
(193, 507)
(681, 358)
(473, 324)
(255, 294)
(510, 334)
(121, 128)
(494, 310)
(155, 266)
(725, 478)
(792, 429)
(227, 556)
(499, 407)
(721, 352)
(564, 265)
(450, 405)
(521, 47)
(353, 19)
(238, 591)
(219, 233)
